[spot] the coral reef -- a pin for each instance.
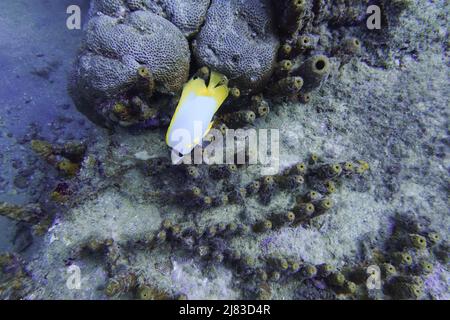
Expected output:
(187, 16)
(327, 225)
(258, 45)
(401, 268)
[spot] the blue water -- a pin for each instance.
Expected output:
(36, 52)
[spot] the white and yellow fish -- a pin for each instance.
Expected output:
(193, 116)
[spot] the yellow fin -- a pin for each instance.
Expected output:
(214, 80)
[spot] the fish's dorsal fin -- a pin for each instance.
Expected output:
(215, 80)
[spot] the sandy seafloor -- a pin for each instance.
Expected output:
(393, 116)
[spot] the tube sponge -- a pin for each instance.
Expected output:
(313, 72)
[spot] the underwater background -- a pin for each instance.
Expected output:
(367, 146)
(37, 50)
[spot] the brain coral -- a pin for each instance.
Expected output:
(341, 12)
(238, 39)
(114, 49)
(187, 15)
(113, 8)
